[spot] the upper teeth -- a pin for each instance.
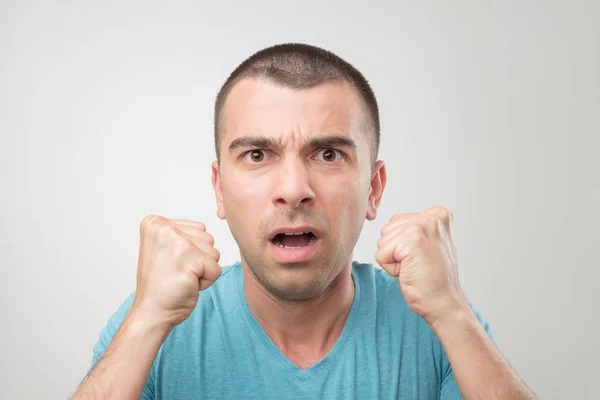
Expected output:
(299, 233)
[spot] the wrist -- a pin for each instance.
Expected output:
(454, 316)
(143, 318)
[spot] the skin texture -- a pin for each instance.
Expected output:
(176, 261)
(299, 158)
(279, 181)
(294, 185)
(291, 183)
(418, 248)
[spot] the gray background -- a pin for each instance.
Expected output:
(491, 109)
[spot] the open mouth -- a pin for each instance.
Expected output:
(294, 240)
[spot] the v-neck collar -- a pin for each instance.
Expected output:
(286, 364)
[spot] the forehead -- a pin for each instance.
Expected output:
(259, 107)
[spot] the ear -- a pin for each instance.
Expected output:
(216, 182)
(378, 181)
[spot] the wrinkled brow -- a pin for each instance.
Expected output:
(265, 142)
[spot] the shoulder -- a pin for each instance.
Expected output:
(214, 302)
(226, 282)
(381, 300)
(228, 278)
(381, 295)
(377, 284)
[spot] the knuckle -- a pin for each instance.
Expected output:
(210, 239)
(184, 246)
(385, 230)
(166, 232)
(418, 242)
(385, 239)
(147, 222)
(167, 229)
(406, 251)
(431, 223)
(415, 231)
(151, 225)
(442, 212)
(199, 267)
(211, 253)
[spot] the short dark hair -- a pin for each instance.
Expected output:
(299, 66)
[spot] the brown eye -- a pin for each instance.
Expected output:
(329, 155)
(255, 156)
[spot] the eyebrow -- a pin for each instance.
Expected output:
(264, 142)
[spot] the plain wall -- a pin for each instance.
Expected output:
(491, 109)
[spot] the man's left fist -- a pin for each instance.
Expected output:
(418, 248)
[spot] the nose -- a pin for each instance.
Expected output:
(293, 188)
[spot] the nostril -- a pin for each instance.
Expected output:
(290, 202)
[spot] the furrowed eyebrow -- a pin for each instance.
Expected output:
(259, 142)
(331, 141)
(265, 142)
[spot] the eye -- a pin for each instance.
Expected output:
(255, 156)
(329, 155)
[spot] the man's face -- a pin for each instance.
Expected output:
(296, 182)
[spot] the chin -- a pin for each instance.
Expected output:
(300, 280)
(295, 284)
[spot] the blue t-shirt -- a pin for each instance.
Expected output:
(385, 351)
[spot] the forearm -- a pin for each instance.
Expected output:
(480, 370)
(123, 370)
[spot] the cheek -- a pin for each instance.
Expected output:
(240, 189)
(345, 200)
(244, 201)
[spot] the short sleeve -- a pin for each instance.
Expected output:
(449, 388)
(106, 336)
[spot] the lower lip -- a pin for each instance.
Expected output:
(292, 255)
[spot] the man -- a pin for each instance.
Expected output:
(297, 137)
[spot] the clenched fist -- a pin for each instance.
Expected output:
(176, 260)
(418, 248)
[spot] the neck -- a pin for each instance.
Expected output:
(304, 330)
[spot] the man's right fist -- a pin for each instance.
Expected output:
(176, 260)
